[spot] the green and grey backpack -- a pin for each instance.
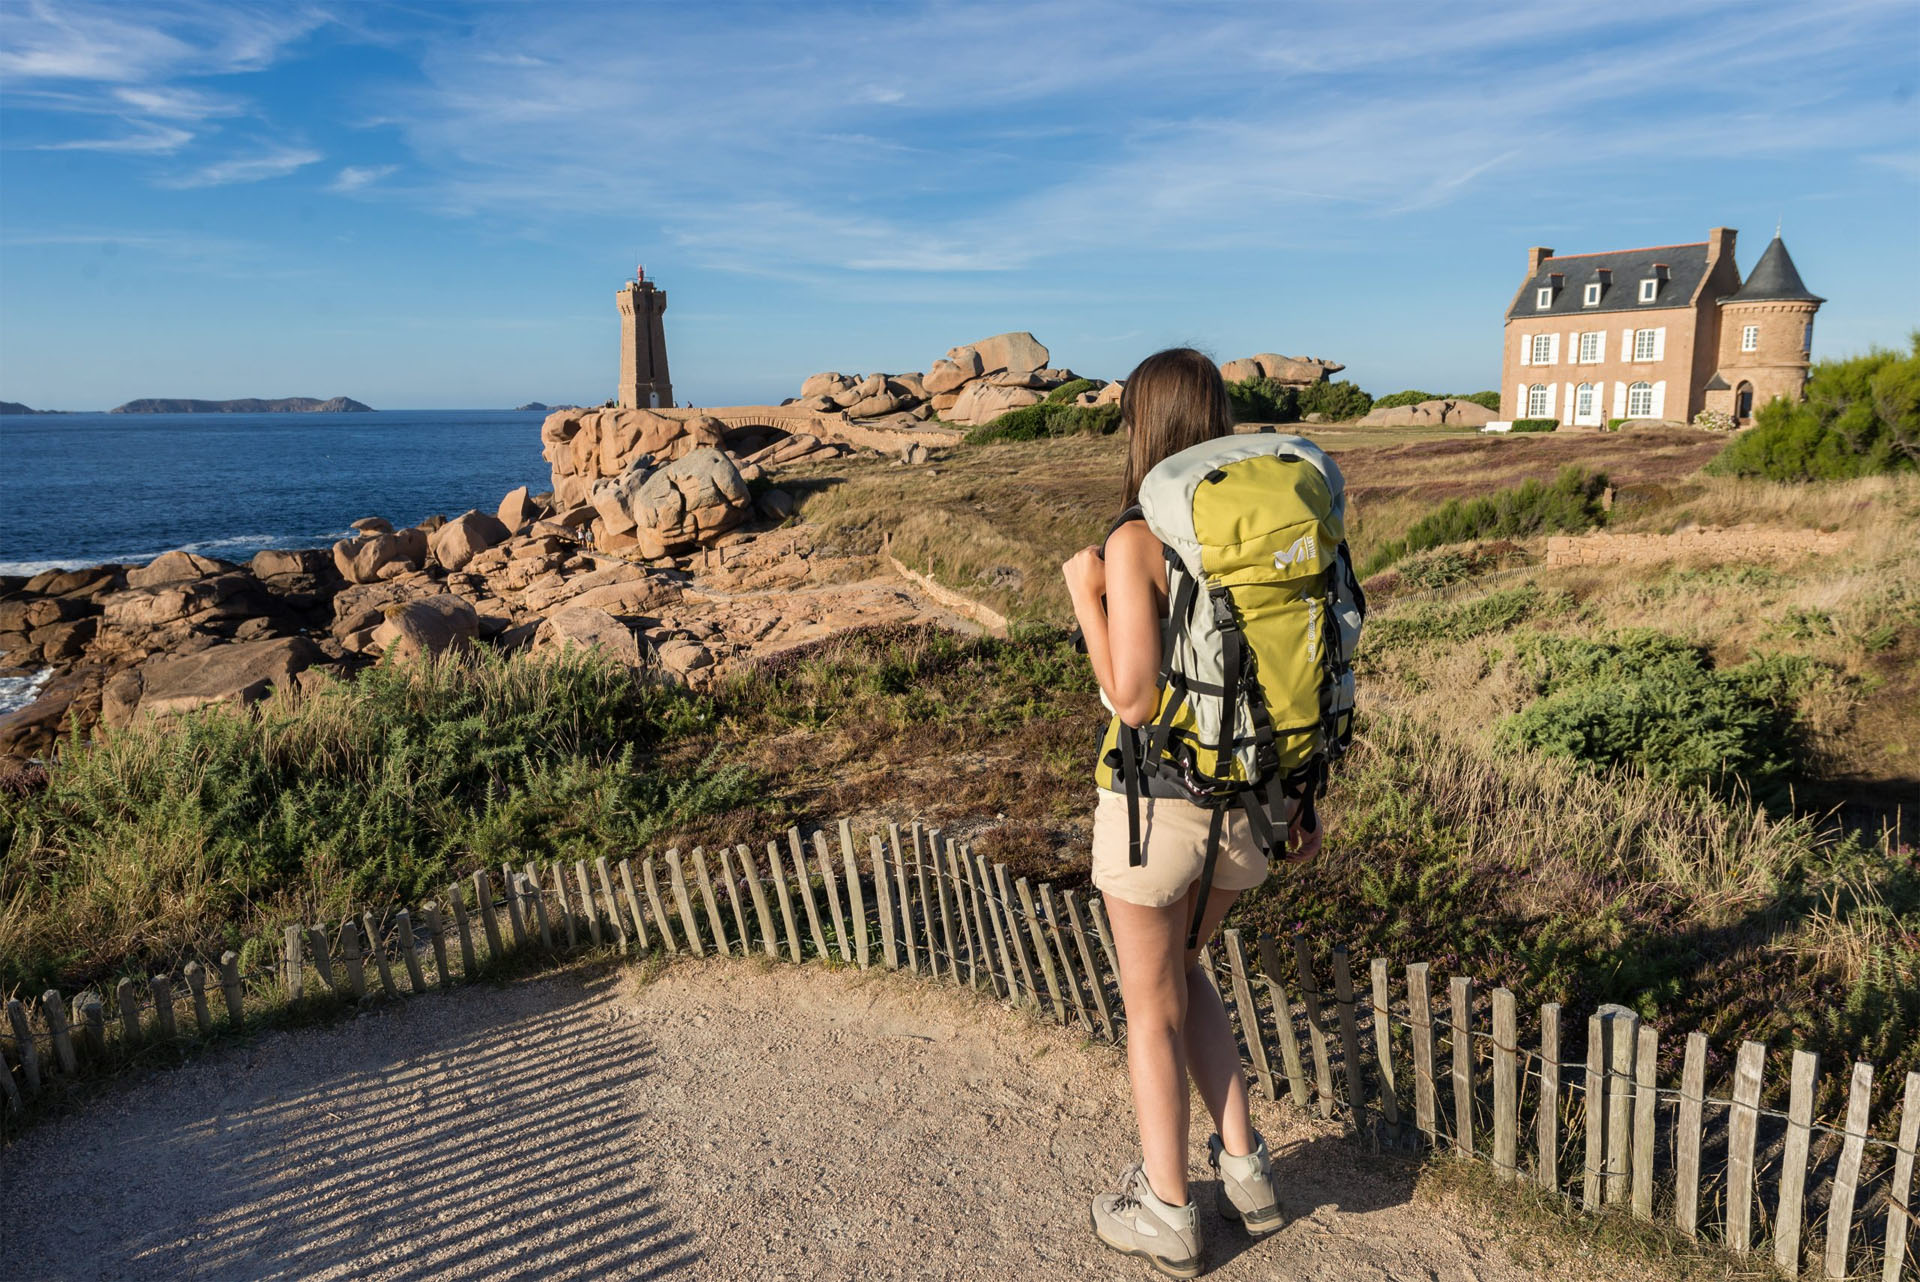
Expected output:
(1264, 611)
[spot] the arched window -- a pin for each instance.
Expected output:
(1583, 403)
(1537, 401)
(1640, 400)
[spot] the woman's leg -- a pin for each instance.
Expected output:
(1150, 943)
(1213, 1057)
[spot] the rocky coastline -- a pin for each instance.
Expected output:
(665, 541)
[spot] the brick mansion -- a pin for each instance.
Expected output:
(1663, 333)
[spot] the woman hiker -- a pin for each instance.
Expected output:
(1176, 1025)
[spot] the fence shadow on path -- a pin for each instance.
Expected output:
(496, 1138)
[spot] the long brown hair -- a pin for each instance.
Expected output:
(1173, 399)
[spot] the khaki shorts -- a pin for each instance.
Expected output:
(1173, 837)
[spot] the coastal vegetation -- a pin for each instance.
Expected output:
(1861, 418)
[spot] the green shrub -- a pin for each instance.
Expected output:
(1262, 400)
(1648, 699)
(1569, 504)
(1535, 425)
(1487, 400)
(1048, 418)
(1336, 402)
(1861, 418)
(1425, 623)
(1064, 393)
(1394, 400)
(1613, 424)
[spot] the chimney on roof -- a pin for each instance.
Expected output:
(1535, 256)
(1720, 242)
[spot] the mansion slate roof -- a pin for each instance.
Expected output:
(1774, 280)
(1686, 266)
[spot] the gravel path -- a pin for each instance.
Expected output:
(724, 1120)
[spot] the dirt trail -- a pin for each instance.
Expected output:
(725, 1120)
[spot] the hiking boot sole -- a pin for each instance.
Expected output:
(1255, 1225)
(1172, 1268)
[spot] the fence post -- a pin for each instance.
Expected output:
(1623, 1035)
(1899, 1207)
(232, 989)
(322, 954)
(1596, 1112)
(93, 1018)
(1281, 1002)
(1382, 1021)
(294, 969)
(1249, 1013)
(883, 895)
(568, 917)
(615, 917)
(1687, 1139)
(906, 900)
(377, 948)
(731, 882)
(942, 886)
(403, 926)
(457, 897)
(704, 875)
(7, 1087)
(1349, 1035)
(1646, 1064)
(1547, 1123)
(30, 1053)
(162, 988)
(1047, 971)
(1067, 975)
(768, 940)
(1742, 1129)
(55, 1009)
(651, 876)
(489, 922)
(437, 934)
(1420, 1015)
(996, 915)
(350, 956)
(1506, 1085)
(787, 919)
(815, 926)
(1846, 1180)
(516, 907)
(583, 886)
(682, 904)
(857, 899)
(1460, 1012)
(831, 881)
(129, 1003)
(532, 890)
(633, 905)
(1079, 925)
(1316, 1028)
(1793, 1162)
(969, 932)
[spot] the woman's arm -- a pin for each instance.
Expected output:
(1123, 633)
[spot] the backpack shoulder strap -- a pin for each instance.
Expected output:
(1134, 513)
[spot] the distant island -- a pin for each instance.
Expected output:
(537, 407)
(15, 407)
(247, 405)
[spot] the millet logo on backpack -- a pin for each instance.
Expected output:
(1303, 549)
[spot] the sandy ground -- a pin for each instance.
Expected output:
(725, 1120)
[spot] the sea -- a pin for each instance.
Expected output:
(88, 489)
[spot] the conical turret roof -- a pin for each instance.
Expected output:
(1774, 279)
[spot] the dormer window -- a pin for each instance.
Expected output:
(1649, 289)
(1543, 297)
(1592, 296)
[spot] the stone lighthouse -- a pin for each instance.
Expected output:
(1766, 337)
(644, 383)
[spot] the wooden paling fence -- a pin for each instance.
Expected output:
(1390, 1053)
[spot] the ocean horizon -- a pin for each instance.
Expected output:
(102, 488)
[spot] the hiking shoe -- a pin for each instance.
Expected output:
(1246, 1187)
(1133, 1221)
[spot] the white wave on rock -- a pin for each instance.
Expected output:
(18, 692)
(237, 548)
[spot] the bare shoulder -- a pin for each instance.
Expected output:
(1133, 548)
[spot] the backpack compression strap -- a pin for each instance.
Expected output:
(1231, 658)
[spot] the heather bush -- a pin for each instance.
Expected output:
(1571, 502)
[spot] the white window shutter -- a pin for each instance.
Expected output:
(1600, 346)
(1551, 389)
(1520, 400)
(1626, 344)
(1526, 349)
(1660, 343)
(1619, 401)
(1660, 399)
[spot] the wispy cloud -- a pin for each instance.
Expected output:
(276, 162)
(143, 139)
(354, 177)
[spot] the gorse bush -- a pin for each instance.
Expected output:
(1335, 401)
(1861, 418)
(1070, 389)
(1641, 697)
(1048, 418)
(1262, 400)
(1571, 502)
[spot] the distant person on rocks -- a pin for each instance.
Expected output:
(1165, 891)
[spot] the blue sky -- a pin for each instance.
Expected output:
(431, 204)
